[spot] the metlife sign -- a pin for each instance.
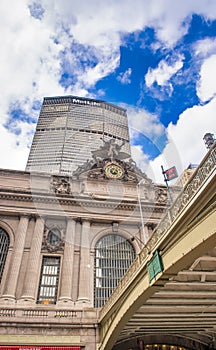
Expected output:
(85, 102)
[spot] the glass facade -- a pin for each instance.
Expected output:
(69, 128)
(113, 255)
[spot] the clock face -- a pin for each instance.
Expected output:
(114, 171)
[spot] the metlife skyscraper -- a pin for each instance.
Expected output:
(69, 128)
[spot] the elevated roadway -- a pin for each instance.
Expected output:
(168, 295)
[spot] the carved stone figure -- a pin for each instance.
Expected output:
(111, 150)
(161, 195)
(61, 185)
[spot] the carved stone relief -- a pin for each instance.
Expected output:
(60, 184)
(161, 195)
(53, 237)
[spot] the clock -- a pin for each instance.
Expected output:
(114, 171)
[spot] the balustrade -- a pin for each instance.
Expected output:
(39, 313)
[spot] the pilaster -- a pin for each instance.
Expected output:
(30, 282)
(9, 292)
(67, 265)
(84, 278)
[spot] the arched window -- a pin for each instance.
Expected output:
(4, 245)
(113, 255)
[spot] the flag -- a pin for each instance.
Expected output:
(171, 173)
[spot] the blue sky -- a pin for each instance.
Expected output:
(155, 58)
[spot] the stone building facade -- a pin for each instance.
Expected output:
(65, 243)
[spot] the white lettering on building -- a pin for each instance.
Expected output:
(85, 102)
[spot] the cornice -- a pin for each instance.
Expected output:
(82, 201)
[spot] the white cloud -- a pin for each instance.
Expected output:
(171, 18)
(186, 143)
(185, 139)
(205, 47)
(15, 152)
(206, 87)
(124, 78)
(140, 158)
(32, 49)
(28, 51)
(102, 69)
(163, 72)
(35, 50)
(97, 23)
(142, 122)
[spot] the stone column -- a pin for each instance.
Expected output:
(30, 282)
(16, 259)
(67, 265)
(84, 277)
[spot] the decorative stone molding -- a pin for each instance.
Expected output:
(60, 184)
(115, 226)
(161, 195)
(84, 200)
(58, 243)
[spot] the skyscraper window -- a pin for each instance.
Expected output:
(69, 128)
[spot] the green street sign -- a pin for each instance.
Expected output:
(154, 266)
